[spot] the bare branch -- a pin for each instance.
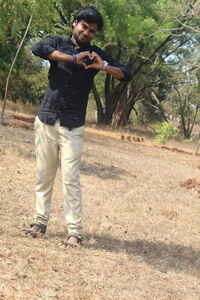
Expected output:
(11, 68)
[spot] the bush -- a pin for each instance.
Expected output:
(165, 131)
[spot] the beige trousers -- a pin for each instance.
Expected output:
(54, 143)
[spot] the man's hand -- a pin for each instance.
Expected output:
(81, 56)
(97, 62)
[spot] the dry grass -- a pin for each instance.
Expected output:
(141, 224)
(19, 107)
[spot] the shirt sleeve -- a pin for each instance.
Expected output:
(114, 63)
(46, 47)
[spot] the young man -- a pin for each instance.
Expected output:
(59, 126)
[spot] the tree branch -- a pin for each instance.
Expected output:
(11, 68)
(63, 18)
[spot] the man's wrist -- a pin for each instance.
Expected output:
(105, 65)
(74, 59)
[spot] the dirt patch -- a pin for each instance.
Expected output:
(19, 121)
(170, 214)
(192, 184)
(175, 149)
(22, 118)
(17, 125)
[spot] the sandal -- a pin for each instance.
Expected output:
(66, 244)
(29, 232)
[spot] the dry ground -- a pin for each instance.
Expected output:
(141, 224)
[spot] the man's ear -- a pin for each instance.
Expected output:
(75, 23)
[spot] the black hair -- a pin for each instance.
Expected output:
(91, 15)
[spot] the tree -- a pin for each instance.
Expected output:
(14, 17)
(185, 100)
(142, 34)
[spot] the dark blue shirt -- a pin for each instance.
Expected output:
(69, 85)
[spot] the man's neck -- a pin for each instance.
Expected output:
(75, 42)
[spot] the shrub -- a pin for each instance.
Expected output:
(165, 131)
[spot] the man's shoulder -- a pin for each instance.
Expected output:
(57, 38)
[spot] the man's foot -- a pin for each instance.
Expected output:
(35, 230)
(72, 241)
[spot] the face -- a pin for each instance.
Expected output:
(83, 32)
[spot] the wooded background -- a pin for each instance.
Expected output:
(158, 40)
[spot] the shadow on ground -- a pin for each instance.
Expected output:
(160, 255)
(101, 170)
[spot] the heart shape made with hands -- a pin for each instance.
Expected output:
(88, 61)
(92, 60)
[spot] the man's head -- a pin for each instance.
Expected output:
(90, 15)
(86, 22)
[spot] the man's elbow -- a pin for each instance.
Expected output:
(127, 76)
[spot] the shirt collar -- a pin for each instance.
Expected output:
(70, 41)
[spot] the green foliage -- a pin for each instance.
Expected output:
(28, 88)
(28, 82)
(134, 33)
(165, 131)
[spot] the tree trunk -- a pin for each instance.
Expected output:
(118, 118)
(100, 113)
(124, 108)
(117, 95)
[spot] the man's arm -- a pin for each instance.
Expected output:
(114, 71)
(47, 50)
(120, 72)
(60, 56)
(75, 59)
